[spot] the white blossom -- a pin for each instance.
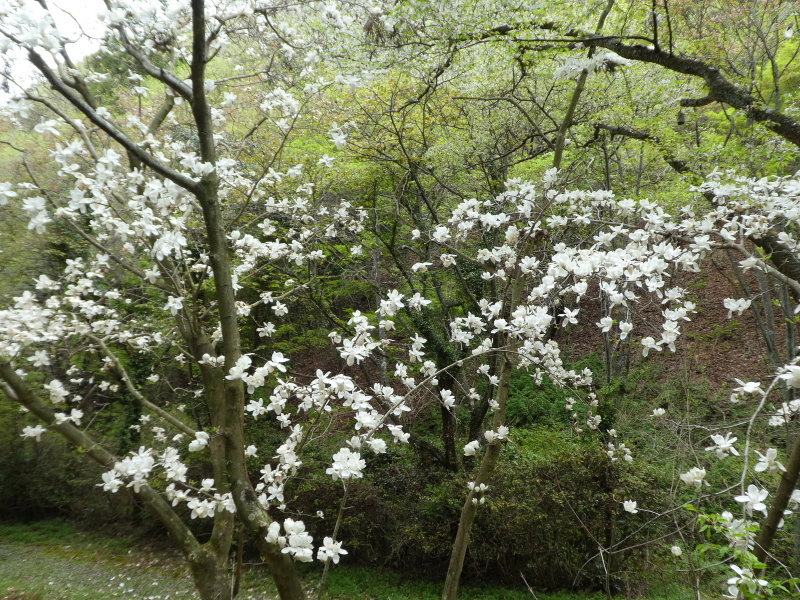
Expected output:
(723, 445)
(200, 441)
(471, 448)
(34, 431)
(346, 465)
(753, 499)
(695, 476)
(768, 461)
(330, 550)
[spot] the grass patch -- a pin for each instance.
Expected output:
(347, 582)
(37, 532)
(355, 583)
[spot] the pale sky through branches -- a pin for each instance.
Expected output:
(71, 17)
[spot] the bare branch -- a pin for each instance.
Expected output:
(123, 373)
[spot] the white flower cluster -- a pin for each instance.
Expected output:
(478, 491)
(295, 542)
(299, 544)
(259, 376)
(573, 66)
(736, 306)
(614, 452)
(138, 467)
(739, 532)
(346, 465)
(695, 477)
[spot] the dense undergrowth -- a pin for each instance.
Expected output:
(553, 519)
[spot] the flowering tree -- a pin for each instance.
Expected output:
(186, 202)
(164, 216)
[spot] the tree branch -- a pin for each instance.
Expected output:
(178, 178)
(694, 102)
(136, 393)
(721, 90)
(16, 389)
(637, 134)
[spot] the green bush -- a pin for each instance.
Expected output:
(542, 404)
(552, 502)
(46, 479)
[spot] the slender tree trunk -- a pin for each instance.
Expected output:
(765, 326)
(226, 399)
(470, 508)
(561, 140)
(576, 96)
(449, 438)
(448, 381)
(237, 571)
(476, 416)
(769, 526)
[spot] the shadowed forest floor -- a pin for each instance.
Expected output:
(53, 560)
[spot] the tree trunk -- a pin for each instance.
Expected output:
(470, 508)
(210, 575)
(769, 526)
(283, 571)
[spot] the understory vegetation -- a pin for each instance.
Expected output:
(557, 502)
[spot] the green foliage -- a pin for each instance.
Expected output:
(353, 583)
(540, 405)
(38, 532)
(552, 498)
(294, 338)
(39, 479)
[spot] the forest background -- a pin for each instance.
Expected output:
(342, 148)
